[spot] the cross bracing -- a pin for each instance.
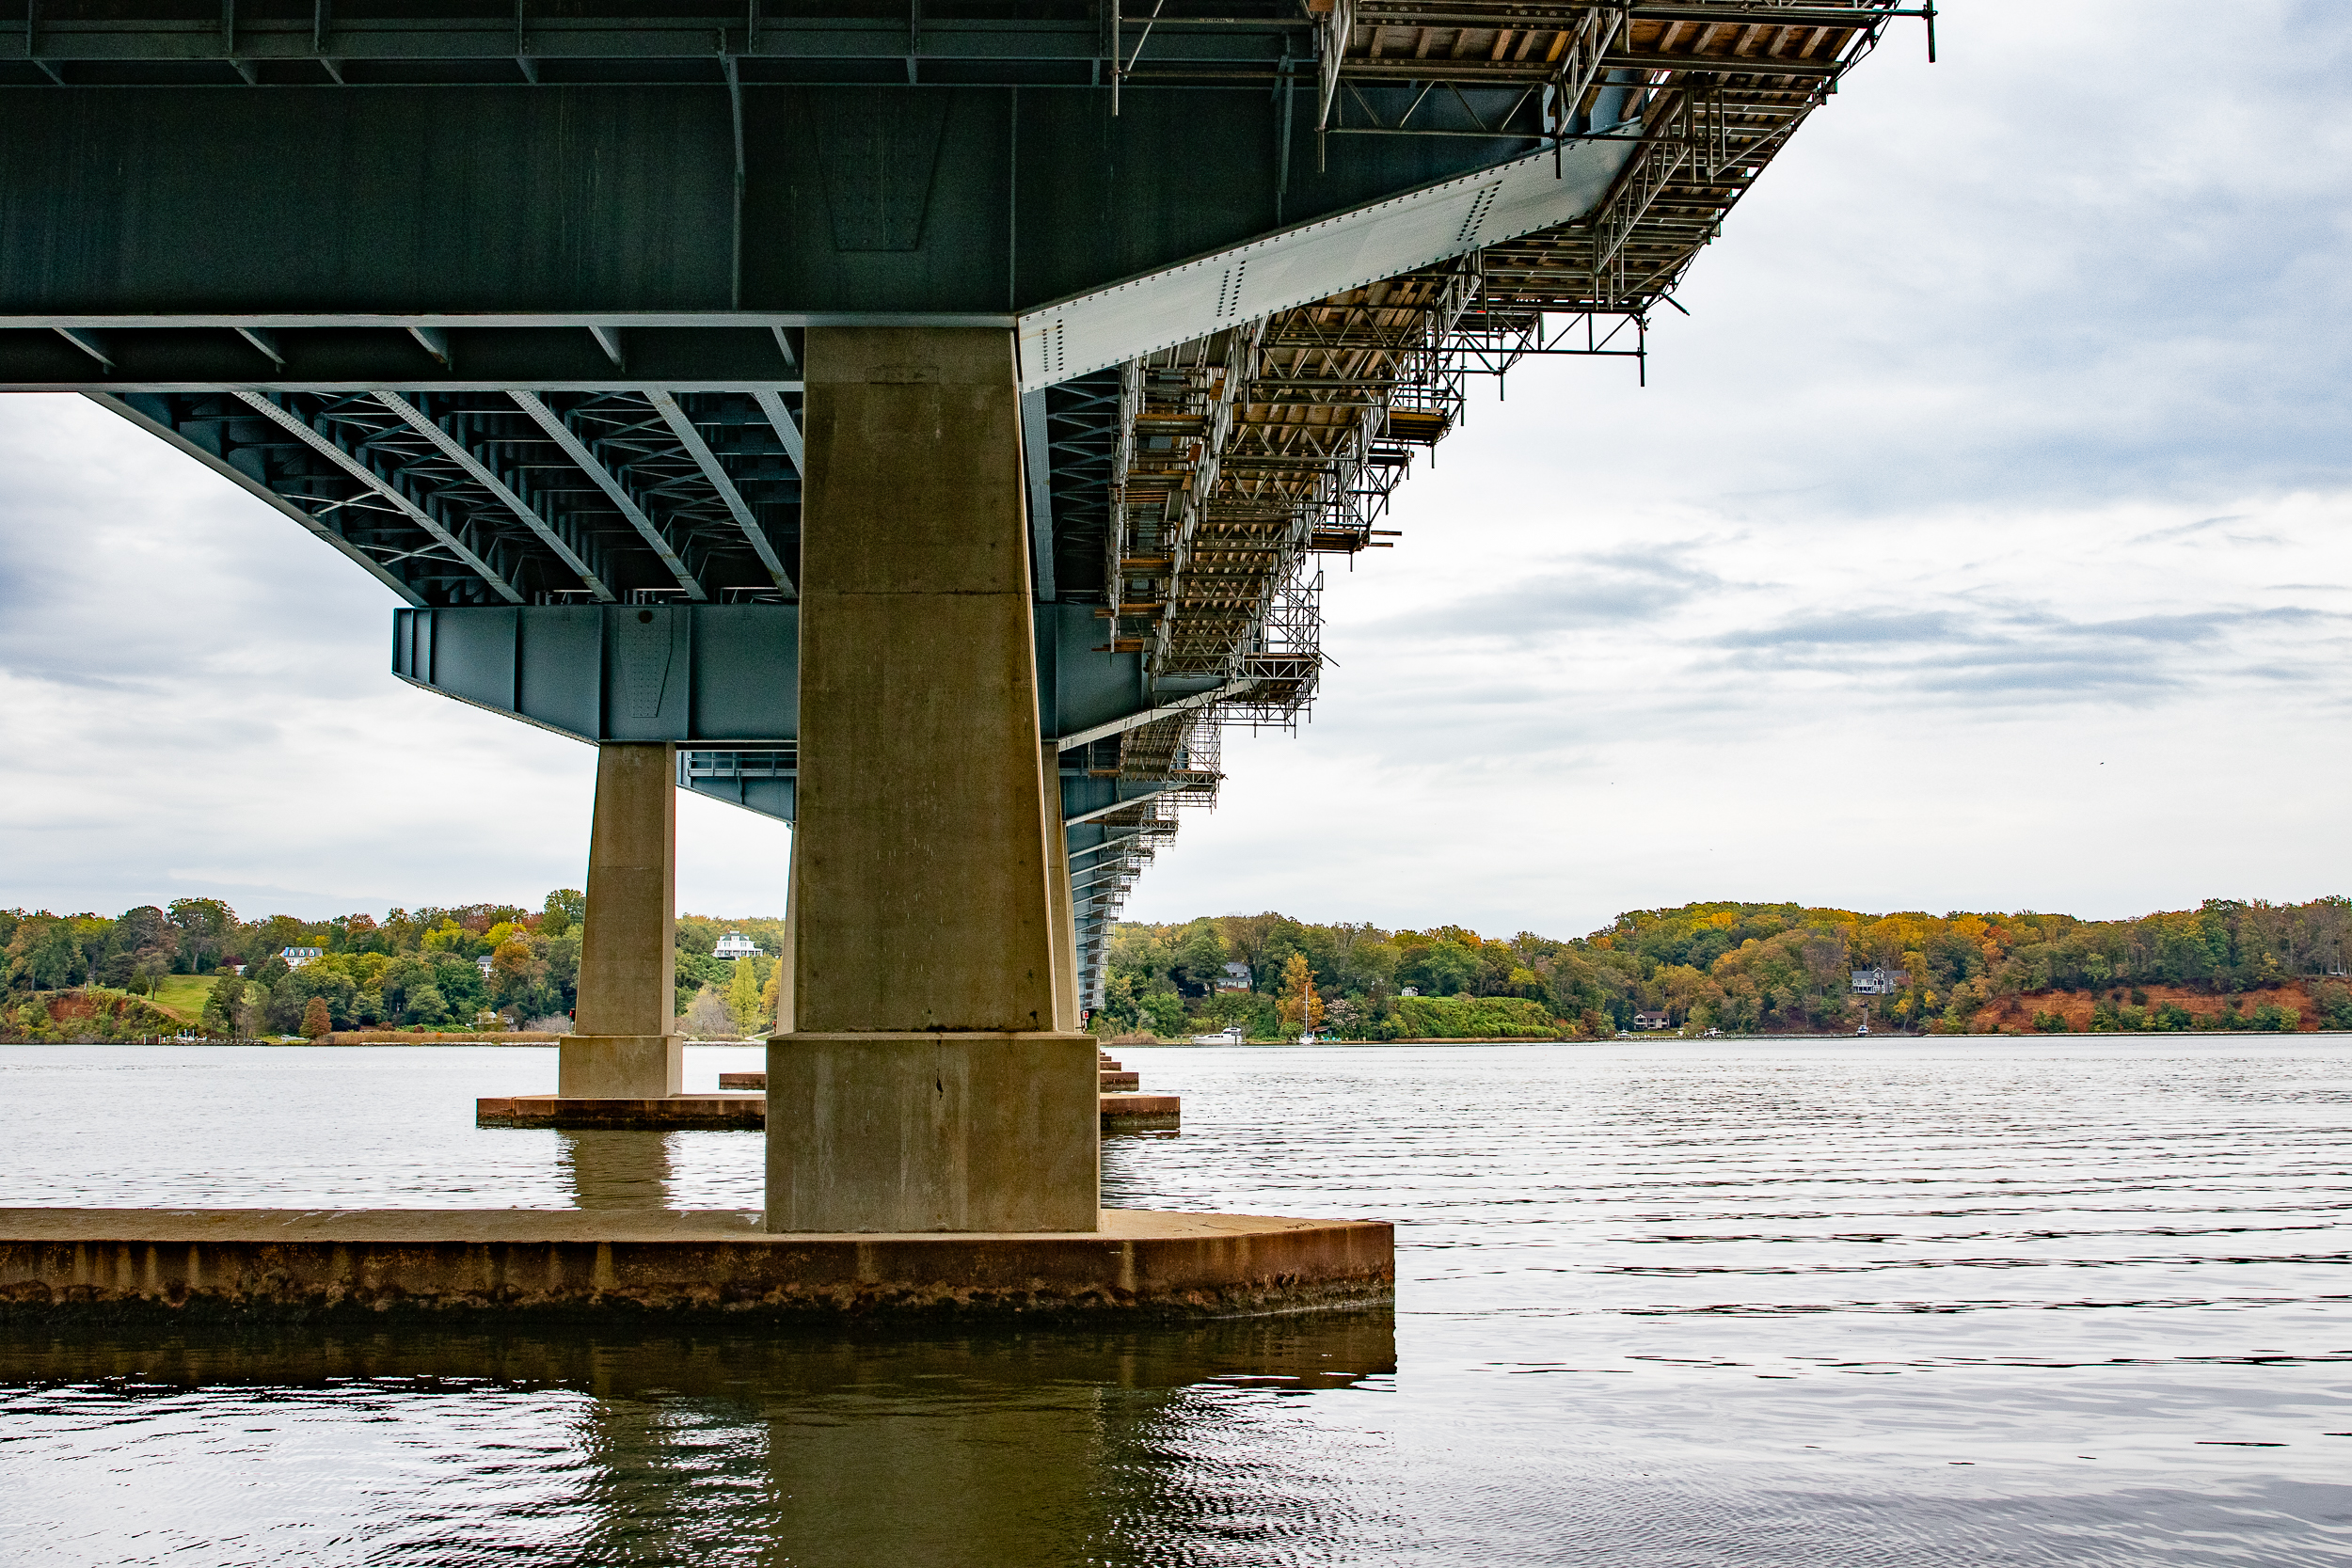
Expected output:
(517, 497)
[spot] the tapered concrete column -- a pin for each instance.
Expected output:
(1070, 1005)
(624, 1043)
(931, 1081)
(784, 954)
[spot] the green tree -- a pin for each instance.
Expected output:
(205, 925)
(220, 1006)
(1439, 969)
(1164, 1010)
(44, 954)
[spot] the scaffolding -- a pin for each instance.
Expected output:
(1244, 457)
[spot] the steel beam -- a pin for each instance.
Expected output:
(459, 454)
(787, 428)
(590, 464)
(329, 448)
(682, 426)
(146, 420)
(1230, 690)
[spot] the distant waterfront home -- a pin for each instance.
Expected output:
(735, 945)
(1650, 1020)
(482, 963)
(1875, 981)
(1236, 977)
(296, 957)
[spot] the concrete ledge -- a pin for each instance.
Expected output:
(702, 1112)
(1114, 1082)
(244, 1261)
(729, 1112)
(1141, 1113)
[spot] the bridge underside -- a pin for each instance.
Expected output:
(512, 306)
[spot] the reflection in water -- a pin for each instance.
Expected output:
(615, 1170)
(1002, 1447)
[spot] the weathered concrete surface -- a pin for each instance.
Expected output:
(967, 1131)
(57, 1260)
(620, 1067)
(920, 855)
(1112, 1082)
(625, 1045)
(1141, 1113)
(931, 1078)
(704, 1112)
(742, 1080)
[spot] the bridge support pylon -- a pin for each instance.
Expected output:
(625, 1044)
(932, 1078)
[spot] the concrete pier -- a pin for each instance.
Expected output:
(627, 1045)
(711, 1263)
(931, 1077)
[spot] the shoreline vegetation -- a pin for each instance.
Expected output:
(489, 973)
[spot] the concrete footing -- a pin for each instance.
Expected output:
(59, 1262)
(670, 1113)
(730, 1111)
(1141, 1113)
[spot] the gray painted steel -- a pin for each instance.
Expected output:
(134, 209)
(698, 675)
(726, 676)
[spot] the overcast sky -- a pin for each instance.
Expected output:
(1978, 543)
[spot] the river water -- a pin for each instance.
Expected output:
(2033, 1302)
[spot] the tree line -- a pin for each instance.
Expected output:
(417, 967)
(1739, 967)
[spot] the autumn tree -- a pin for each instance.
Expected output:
(743, 999)
(314, 1019)
(1301, 1008)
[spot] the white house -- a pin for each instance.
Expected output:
(1236, 977)
(482, 963)
(735, 945)
(1875, 981)
(296, 957)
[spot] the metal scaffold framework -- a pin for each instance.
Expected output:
(1244, 457)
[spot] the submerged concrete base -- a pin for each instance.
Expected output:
(728, 1111)
(1141, 1113)
(687, 1111)
(58, 1262)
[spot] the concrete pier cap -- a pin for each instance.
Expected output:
(930, 1076)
